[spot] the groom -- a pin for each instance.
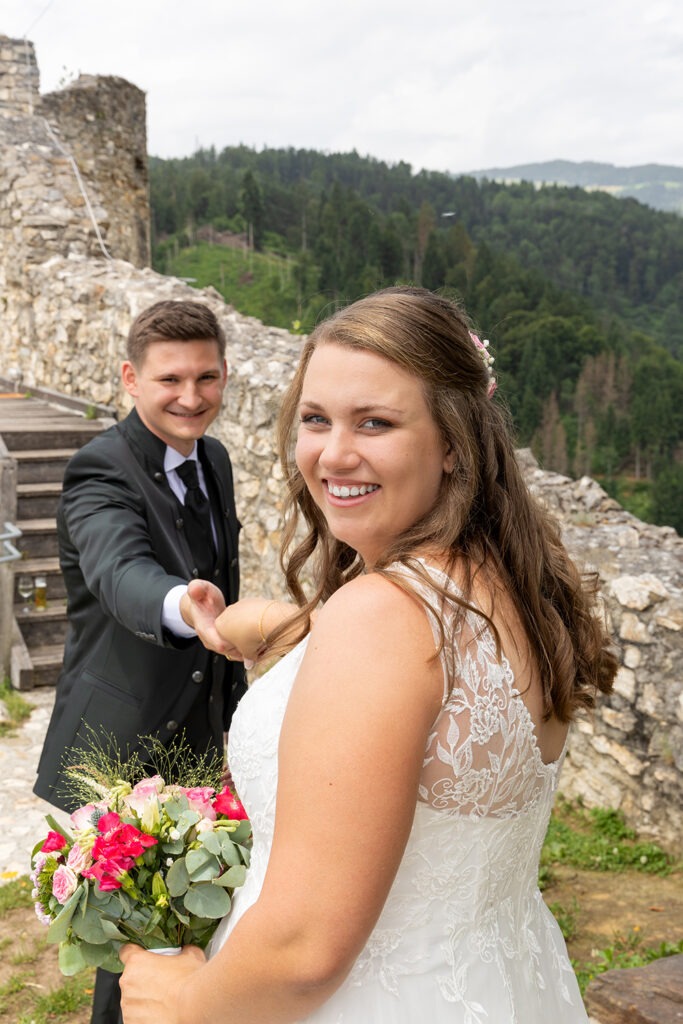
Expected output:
(147, 506)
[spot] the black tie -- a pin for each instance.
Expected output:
(197, 520)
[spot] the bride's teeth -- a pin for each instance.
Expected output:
(351, 492)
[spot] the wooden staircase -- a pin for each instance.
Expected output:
(41, 436)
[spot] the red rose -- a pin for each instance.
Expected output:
(54, 842)
(227, 804)
(108, 873)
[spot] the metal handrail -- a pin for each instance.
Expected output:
(12, 554)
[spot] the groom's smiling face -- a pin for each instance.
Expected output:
(177, 389)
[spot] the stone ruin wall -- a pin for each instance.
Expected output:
(98, 123)
(66, 314)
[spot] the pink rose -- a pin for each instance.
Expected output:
(83, 817)
(230, 806)
(79, 859)
(64, 884)
(199, 799)
(143, 792)
(55, 841)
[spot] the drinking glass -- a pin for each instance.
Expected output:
(25, 589)
(40, 598)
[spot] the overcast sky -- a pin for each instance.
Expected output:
(442, 84)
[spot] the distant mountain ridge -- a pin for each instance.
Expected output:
(657, 185)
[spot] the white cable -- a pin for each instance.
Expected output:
(76, 171)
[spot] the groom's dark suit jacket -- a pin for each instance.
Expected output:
(122, 547)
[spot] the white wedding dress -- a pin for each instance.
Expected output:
(464, 937)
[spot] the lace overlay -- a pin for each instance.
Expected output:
(464, 937)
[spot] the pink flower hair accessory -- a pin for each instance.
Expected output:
(487, 359)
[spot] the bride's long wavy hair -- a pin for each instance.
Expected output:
(484, 516)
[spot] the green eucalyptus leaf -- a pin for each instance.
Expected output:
(211, 842)
(235, 876)
(57, 931)
(232, 878)
(230, 852)
(173, 847)
(201, 865)
(71, 959)
(207, 900)
(175, 806)
(242, 832)
(112, 931)
(177, 879)
(178, 909)
(186, 820)
(98, 956)
(88, 926)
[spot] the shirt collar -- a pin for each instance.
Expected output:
(173, 458)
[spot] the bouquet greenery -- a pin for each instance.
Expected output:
(149, 860)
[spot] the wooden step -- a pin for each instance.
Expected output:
(37, 666)
(48, 567)
(47, 664)
(36, 501)
(47, 432)
(42, 626)
(38, 538)
(42, 465)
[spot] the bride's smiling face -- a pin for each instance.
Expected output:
(367, 446)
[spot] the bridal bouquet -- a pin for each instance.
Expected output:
(151, 862)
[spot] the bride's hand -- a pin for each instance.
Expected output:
(152, 986)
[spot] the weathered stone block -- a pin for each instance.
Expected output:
(639, 995)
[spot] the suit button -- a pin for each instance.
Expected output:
(158, 476)
(172, 726)
(226, 514)
(216, 573)
(178, 524)
(197, 676)
(195, 573)
(233, 563)
(215, 659)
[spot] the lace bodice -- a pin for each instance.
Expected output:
(464, 936)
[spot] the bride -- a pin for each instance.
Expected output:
(399, 763)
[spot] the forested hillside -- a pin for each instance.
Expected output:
(580, 294)
(656, 185)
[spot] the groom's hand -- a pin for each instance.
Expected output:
(151, 985)
(200, 606)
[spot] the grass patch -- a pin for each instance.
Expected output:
(17, 708)
(277, 289)
(567, 919)
(59, 1004)
(15, 895)
(597, 840)
(626, 951)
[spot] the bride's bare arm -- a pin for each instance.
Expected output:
(350, 757)
(248, 623)
(238, 631)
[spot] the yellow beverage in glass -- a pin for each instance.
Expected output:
(40, 593)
